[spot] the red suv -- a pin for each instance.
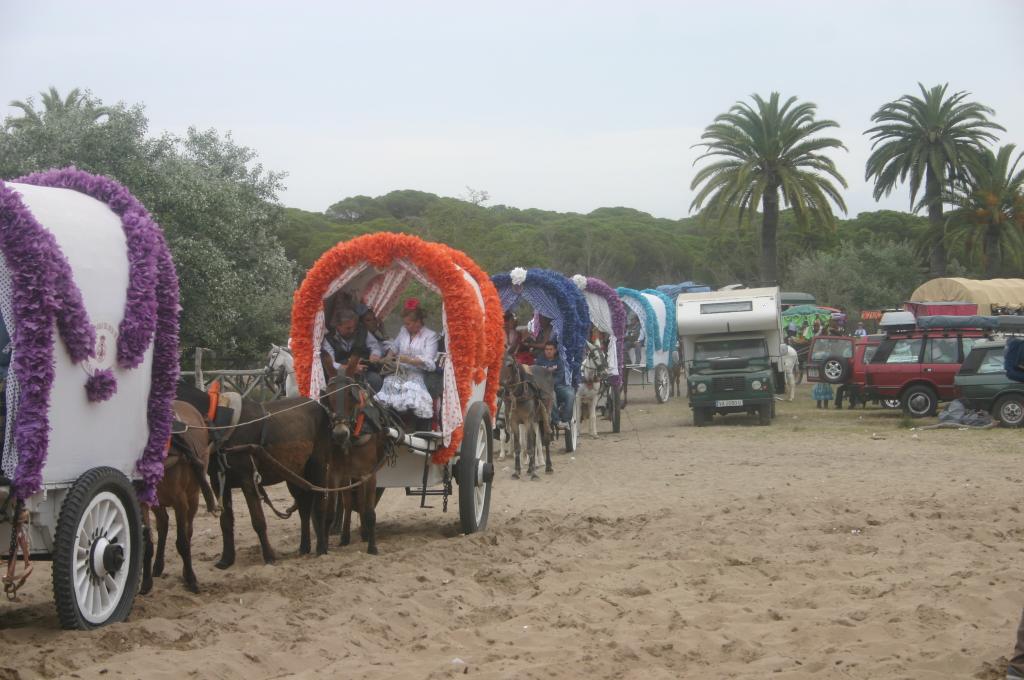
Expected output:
(918, 367)
(841, 360)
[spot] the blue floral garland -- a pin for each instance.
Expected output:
(651, 321)
(670, 333)
(572, 307)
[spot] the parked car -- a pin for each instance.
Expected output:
(918, 366)
(984, 385)
(842, 360)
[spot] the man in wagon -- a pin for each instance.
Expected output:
(564, 394)
(350, 337)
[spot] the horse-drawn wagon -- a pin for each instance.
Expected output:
(608, 315)
(89, 298)
(655, 312)
(377, 268)
(557, 298)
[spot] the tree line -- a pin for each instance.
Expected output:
(765, 210)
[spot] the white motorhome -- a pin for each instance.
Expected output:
(731, 343)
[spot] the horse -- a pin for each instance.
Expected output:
(527, 408)
(185, 470)
(285, 440)
(788, 363)
(594, 370)
(281, 372)
(361, 442)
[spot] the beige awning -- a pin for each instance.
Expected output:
(986, 294)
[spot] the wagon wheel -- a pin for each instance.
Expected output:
(615, 408)
(97, 556)
(475, 469)
(572, 432)
(662, 383)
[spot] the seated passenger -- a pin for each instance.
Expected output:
(564, 394)
(415, 347)
(348, 337)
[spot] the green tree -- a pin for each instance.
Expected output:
(929, 139)
(988, 216)
(761, 151)
(216, 204)
(868, 275)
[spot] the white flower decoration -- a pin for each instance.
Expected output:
(580, 280)
(518, 276)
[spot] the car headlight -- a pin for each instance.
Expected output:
(756, 385)
(702, 387)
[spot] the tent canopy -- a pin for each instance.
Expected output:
(986, 294)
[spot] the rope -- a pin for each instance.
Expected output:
(267, 416)
(301, 481)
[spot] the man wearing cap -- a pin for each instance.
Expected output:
(350, 337)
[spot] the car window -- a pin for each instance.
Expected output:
(905, 351)
(869, 352)
(968, 344)
(942, 351)
(993, 361)
(825, 348)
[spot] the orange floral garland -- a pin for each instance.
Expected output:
(473, 345)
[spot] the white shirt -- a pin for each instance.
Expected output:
(423, 347)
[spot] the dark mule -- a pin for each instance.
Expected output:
(267, 449)
(528, 405)
(361, 442)
(185, 470)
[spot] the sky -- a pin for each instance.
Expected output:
(566, 106)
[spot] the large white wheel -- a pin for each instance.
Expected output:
(475, 470)
(97, 555)
(662, 383)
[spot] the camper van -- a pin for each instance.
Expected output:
(731, 344)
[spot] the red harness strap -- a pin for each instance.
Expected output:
(361, 416)
(214, 394)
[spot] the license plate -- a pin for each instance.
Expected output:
(728, 402)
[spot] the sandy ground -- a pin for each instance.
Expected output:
(807, 549)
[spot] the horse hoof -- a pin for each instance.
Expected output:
(372, 551)
(147, 585)
(224, 564)
(549, 471)
(192, 588)
(158, 570)
(515, 475)
(534, 478)
(345, 541)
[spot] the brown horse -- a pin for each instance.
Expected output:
(184, 477)
(280, 441)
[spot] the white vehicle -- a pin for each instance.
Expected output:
(377, 268)
(732, 343)
(90, 298)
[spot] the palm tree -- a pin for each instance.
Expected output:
(761, 151)
(931, 138)
(988, 219)
(54, 105)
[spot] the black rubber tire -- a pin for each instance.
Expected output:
(662, 383)
(570, 444)
(466, 469)
(1014, 405)
(838, 367)
(616, 409)
(85, 488)
(919, 401)
(764, 414)
(701, 417)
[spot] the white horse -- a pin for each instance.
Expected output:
(594, 370)
(281, 372)
(788, 360)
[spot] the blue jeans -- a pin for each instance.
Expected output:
(564, 395)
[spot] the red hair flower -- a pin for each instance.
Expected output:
(411, 304)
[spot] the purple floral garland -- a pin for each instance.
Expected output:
(618, 310)
(144, 240)
(44, 291)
